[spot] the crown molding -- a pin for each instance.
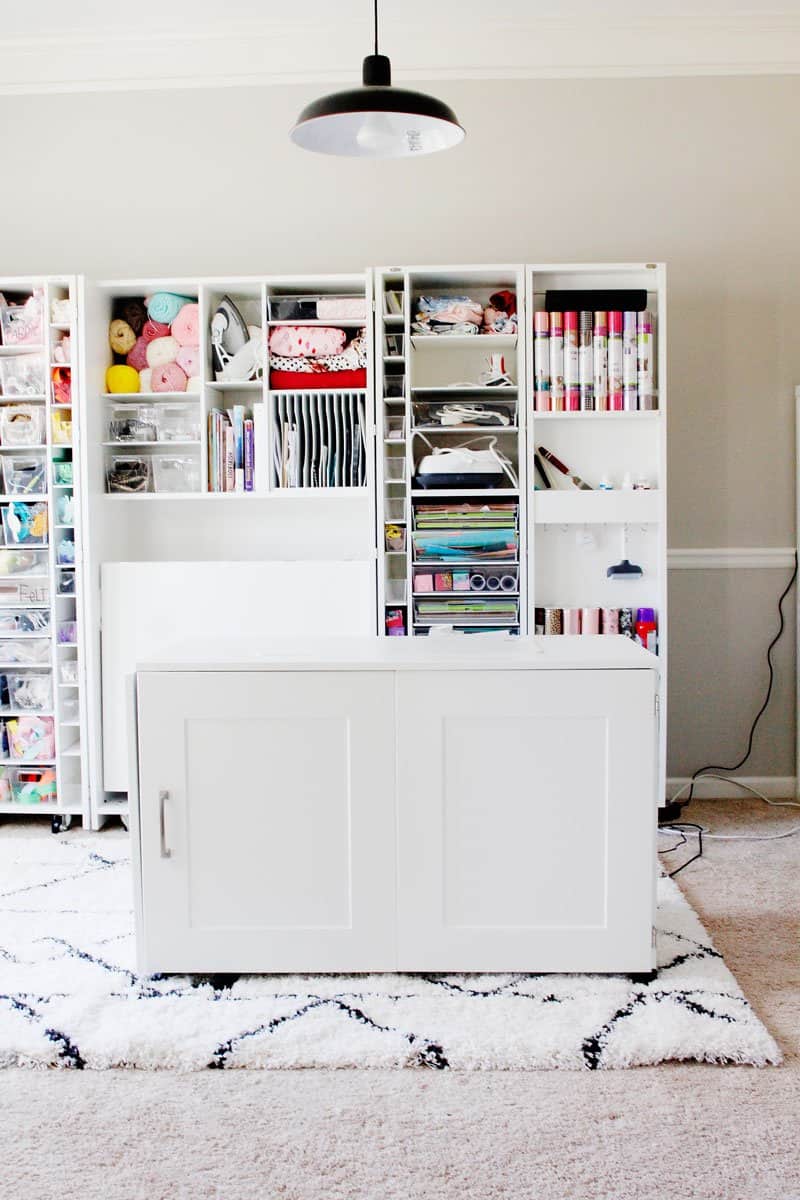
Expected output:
(223, 54)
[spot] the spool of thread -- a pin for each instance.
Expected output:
(590, 620)
(121, 378)
(553, 621)
(493, 583)
(477, 582)
(571, 620)
(538, 621)
(121, 337)
(162, 351)
(609, 620)
(508, 583)
(626, 616)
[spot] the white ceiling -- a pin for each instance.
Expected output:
(57, 46)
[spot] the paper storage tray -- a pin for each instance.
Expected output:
(176, 473)
(394, 386)
(69, 670)
(25, 524)
(395, 510)
(24, 474)
(67, 633)
(21, 424)
(395, 469)
(61, 425)
(129, 474)
(31, 739)
(394, 345)
(178, 423)
(25, 620)
(33, 785)
(22, 323)
(30, 691)
(62, 474)
(133, 423)
(22, 375)
(28, 652)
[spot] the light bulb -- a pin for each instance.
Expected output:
(376, 135)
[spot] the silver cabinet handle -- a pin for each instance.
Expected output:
(162, 823)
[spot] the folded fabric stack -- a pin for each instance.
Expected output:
(318, 308)
(155, 342)
(316, 356)
(449, 315)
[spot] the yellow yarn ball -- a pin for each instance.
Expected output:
(122, 379)
(121, 337)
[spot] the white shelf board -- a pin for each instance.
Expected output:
(649, 415)
(618, 507)
(121, 446)
(149, 397)
(37, 398)
(488, 342)
(13, 350)
(486, 494)
(313, 322)
(236, 385)
(470, 389)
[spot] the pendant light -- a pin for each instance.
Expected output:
(377, 120)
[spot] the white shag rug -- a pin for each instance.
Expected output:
(70, 996)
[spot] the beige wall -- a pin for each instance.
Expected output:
(702, 173)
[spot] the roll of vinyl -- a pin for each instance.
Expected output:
(626, 622)
(609, 620)
(508, 583)
(552, 621)
(590, 620)
(571, 620)
(477, 583)
(121, 378)
(538, 620)
(493, 583)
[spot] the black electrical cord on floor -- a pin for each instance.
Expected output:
(678, 827)
(711, 767)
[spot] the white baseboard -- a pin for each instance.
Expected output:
(777, 787)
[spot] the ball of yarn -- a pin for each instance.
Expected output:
(154, 329)
(121, 378)
(188, 359)
(162, 350)
(194, 383)
(145, 380)
(137, 357)
(120, 336)
(165, 306)
(169, 378)
(186, 326)
(135, 313)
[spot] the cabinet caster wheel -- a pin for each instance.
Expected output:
(60, 823)
(642, 976)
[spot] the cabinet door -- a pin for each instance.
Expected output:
(526, 815)
(267, 821)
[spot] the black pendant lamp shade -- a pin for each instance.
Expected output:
(377, 120)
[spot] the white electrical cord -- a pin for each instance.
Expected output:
(735, 837)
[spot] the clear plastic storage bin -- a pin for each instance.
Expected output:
(133, 423)
(30, 692)
(25, 524)
(129, 474)
(22, 323)
(24, 474)
(22, 375)
(176, 473)
(31, 785)
(21, 424)
(178, 423)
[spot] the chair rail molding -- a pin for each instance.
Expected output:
(711, 558)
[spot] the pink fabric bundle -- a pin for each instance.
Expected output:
(154, 329)
(188, 359)
(169, 378)
(186, 326)
(306, 341)
(137, 357)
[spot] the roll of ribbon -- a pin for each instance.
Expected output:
(609, 620)
(145, 380)
(508, 583)
(135, 313)
(553, 621)
(121, 337)
(121, 378)
(477, 582)
(493, 583)
(188, 359)
(137, 357)
(165, 306)
(169, 378)
(186, 326)
(154, 329)
(162, 351)
(590, 620)
(571, 620)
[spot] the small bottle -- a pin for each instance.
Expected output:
(647, 629)
(641, 484)
(627, 482)
(605, 485)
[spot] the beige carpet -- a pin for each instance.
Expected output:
(695, 1131)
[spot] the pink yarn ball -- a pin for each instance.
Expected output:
(186, 326)
(169, 378)
(154, 329)
(137, 357)
(188, 359)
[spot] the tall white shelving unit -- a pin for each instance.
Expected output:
(416, 374)
(318, 518)
(45, 375)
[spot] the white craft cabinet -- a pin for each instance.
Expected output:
(480, 810)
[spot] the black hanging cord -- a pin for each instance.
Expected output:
(376, 25)
(712, 767)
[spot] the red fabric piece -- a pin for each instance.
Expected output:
(296, 381)
(506, 301)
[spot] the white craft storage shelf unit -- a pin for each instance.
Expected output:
(419, 377)
(42, 636)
